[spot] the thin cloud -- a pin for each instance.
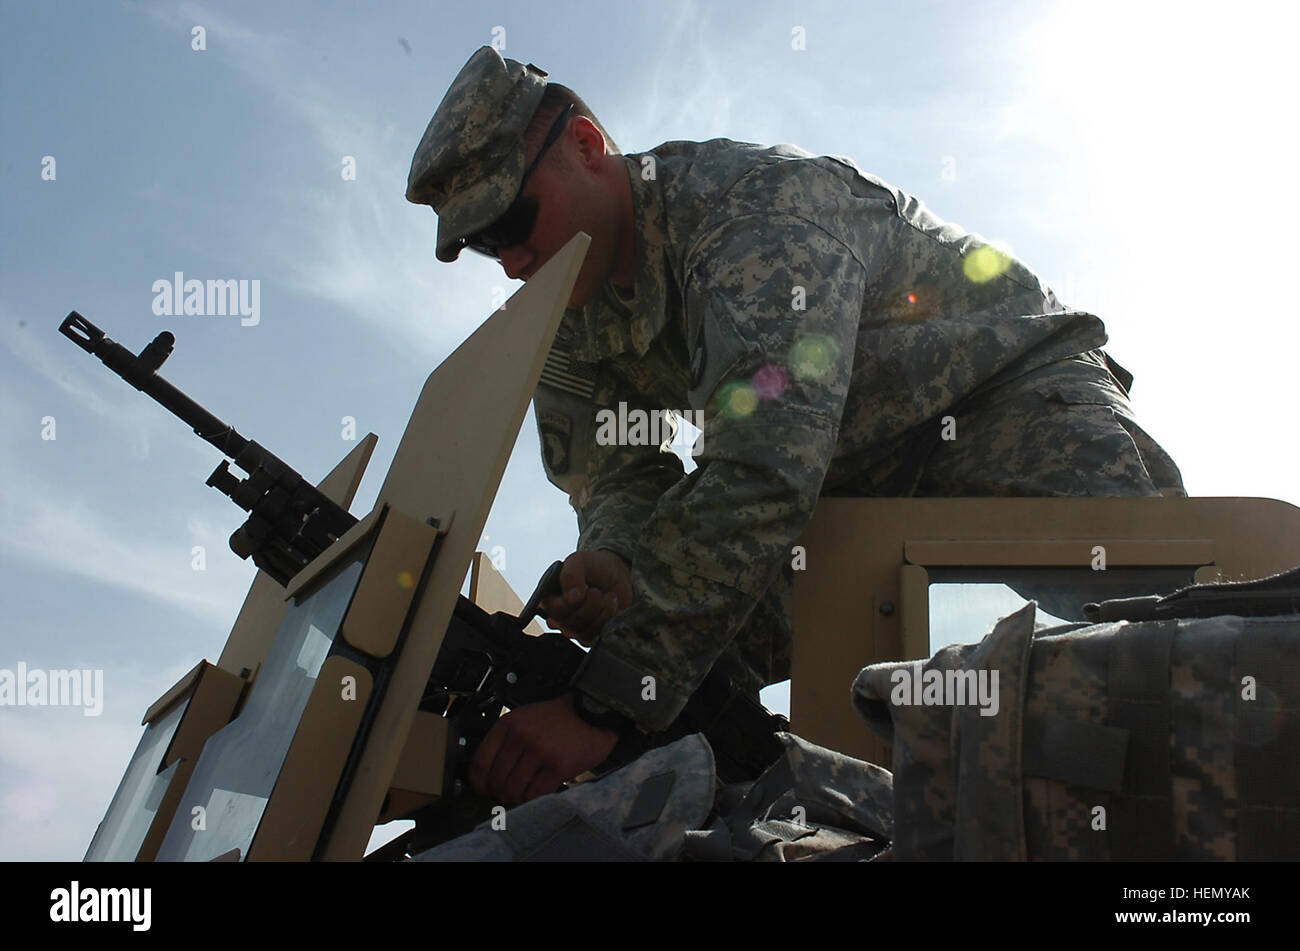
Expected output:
(46, 526)
(85, 380)
(358, 243)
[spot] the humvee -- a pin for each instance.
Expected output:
(356, 678)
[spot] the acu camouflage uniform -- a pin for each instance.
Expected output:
(827, 325)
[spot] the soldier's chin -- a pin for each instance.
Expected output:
(581, 294)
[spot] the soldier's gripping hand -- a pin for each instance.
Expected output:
(533, 750)
(596, 585)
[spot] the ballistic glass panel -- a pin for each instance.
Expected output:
(134, 805)
(240, 763)
(965, 603)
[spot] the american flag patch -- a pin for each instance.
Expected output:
(557, 373)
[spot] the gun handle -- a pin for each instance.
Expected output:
(547, 587)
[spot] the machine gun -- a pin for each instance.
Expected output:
(290, 522)
(486, 662)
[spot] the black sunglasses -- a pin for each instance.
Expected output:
(517, 223)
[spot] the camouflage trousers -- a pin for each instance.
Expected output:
(1066, 429)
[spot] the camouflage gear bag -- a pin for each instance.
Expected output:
(812, 804)
(1164, 739)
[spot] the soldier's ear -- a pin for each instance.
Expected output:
(589, 140)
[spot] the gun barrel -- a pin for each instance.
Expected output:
(142, 372)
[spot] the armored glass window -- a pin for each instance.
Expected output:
(226, 796)
(134, 805)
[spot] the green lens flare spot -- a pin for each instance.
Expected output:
(813, 357)
(737, 400)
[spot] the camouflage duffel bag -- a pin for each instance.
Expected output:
(1166, 739)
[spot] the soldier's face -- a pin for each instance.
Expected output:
(572, 195)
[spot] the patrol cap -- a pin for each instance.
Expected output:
(470, 162)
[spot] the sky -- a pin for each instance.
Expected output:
(1137, 156)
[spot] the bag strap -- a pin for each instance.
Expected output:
(1140, 818)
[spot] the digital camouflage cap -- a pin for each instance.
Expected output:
(470, 163)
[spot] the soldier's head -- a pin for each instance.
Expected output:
(515, 166)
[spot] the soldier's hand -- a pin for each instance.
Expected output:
(533, 750)
(596, 586)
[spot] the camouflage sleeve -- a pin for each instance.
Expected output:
(773, 304)
(613, 489)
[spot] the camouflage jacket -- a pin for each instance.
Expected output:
(819, 322)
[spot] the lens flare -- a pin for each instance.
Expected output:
(405, 580)
(737, 399)
(985, 263)
(770, 382)
(812, 357)
(916, 302)
(34, 800)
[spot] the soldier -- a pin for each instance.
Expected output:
(837, 338)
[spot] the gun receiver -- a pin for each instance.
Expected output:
(487, 661)
(290, 521)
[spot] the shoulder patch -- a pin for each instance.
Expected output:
(556, 431)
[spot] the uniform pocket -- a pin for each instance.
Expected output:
(1083, 392)
(1085, 380)
(1070, 390)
